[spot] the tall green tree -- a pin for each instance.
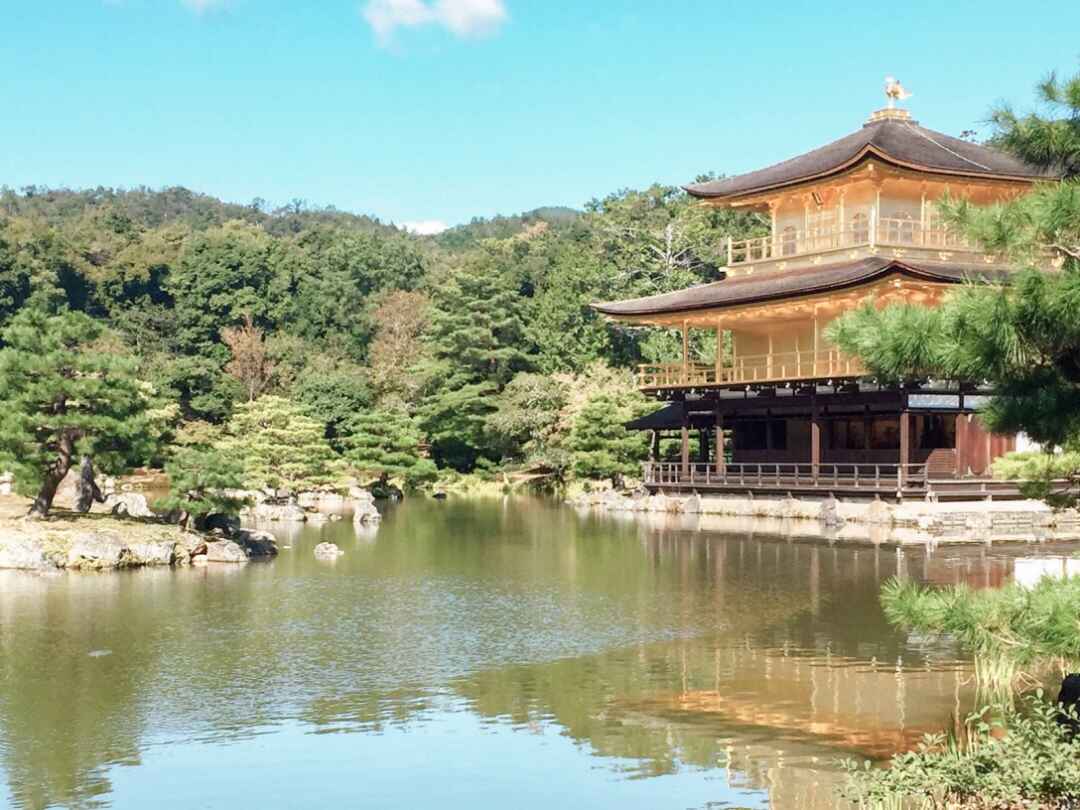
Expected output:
(601, 446)
(386, 443)
(199, 482)
(66, 392)
(281, 447)
(477, 342)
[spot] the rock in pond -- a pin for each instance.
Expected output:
(327, 551)
(257, 543)
(96, 551)
(225, 551)
(247, 544)
(366, 513)
(285, 513)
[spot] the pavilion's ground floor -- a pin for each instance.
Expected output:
(856, 440)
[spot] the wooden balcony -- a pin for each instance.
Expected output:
(790, 249)
(755, 368)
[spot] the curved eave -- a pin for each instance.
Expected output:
(868, 152)
(640, 310)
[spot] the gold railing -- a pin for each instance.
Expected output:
(885, 231)
(752, 368)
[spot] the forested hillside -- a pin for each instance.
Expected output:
(476, 347)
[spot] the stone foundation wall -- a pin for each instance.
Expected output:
(861, 521)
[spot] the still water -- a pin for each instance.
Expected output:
(475, 654)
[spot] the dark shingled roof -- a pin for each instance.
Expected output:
(901, 142)
(751, 289)
(671, 416)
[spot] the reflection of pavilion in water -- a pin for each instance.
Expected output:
(791, 682)
(773, 718)
(802, 672)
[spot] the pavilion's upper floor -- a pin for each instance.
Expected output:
(852, 220)
(871, 193)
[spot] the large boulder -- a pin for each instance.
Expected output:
(366, 513)
(284, 513)
(360, 494)
(23, 552)
(130, 504)
(225, 551)
(98, 551)
(257, 543)
(327, 551)
(153, 552)
(192, 544)
(7, 482)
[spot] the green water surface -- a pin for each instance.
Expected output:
(476, 654)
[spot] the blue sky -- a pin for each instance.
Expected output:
(443, 110)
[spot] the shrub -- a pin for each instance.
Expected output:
(1023, 759)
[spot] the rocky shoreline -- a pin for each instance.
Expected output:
(111, 544)
(124, 533)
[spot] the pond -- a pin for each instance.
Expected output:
(479, 654)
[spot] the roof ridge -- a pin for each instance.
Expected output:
(921, 131)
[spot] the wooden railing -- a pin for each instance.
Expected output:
(885, 477)
(885, 231)
(752, 368)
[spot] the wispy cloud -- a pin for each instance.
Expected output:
(425, 227)
(463, 18)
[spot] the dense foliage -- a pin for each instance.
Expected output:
(471, 339)
(1005, 757)
(67, 392)
(385, 444)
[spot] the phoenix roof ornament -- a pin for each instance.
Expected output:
(894, 91)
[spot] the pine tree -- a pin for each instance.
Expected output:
(387, 444)
(1050, 142)
(199, 479)
(66, 392)
(279, 445)
(477, 343)
(602, 447)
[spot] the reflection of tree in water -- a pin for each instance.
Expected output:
(83, 673)
(369, 710)
(67, 714)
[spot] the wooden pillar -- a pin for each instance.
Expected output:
(685, 456)
(961, 442)
(685, 352)
(841, 223)
(905, 443)
(735, 377)
(654, 446)
(815, 437)
(721, 462)
(719, 362)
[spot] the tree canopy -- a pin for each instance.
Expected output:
(65, 392)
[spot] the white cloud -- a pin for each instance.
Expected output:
(463, 18)
(425, 227)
